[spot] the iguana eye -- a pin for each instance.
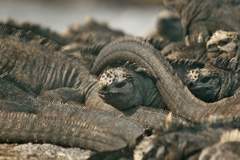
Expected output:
(205, 79)
(212, 46)
(223, 42)
(121, 84)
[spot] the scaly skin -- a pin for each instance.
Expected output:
(204, 80)
(86, 41)
(168, 27)
(19, 98)
(92, 32)
(86, 129)
(209, 70)
(175, 95)
(84, 87)
(200, 19)
(227, 150)
(28, 35)
(125, 88)
(85, 54)
(189, 143)
(37, 30)
(35, 68)
(223, 50)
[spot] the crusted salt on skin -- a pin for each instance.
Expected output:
(193, 74)
(113, 75)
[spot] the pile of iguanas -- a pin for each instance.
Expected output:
(171, 95)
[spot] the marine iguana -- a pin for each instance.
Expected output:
(175, 94)
(36, 30)
(124, 89)
(195, 142)
(223, 50)
(217, 60)
(86, 41)
(200, 19)
(92, 32)
(168, 27)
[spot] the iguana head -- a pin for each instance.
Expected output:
(223, 44)
(169, 25)
(119, 88)
(204, 83)
(125, 88)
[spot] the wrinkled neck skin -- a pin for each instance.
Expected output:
(148, 91)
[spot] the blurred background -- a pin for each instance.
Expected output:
(136, 17)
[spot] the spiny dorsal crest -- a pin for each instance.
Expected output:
(168, 120)
(113, 75)
(145, 146)
(230, 136)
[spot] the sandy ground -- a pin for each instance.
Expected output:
(134, 20)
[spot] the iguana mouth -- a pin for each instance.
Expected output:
(105, 94)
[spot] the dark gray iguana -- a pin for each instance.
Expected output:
(175, 94)
(56, 39)
(213, 64)
(205, 141)
(200, 19)
(86, 41)
(82, 42)
(91, 32)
